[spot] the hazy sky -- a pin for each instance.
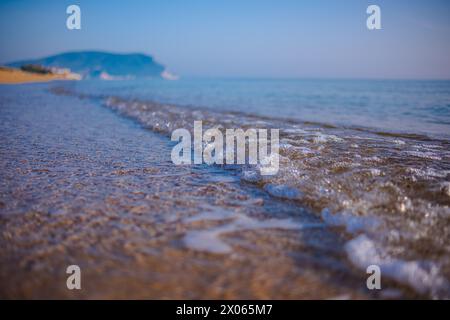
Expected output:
(244, 38)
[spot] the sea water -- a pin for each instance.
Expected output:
(365, 163)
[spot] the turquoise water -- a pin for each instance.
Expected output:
(418, 107)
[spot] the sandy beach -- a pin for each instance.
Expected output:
(16, 76)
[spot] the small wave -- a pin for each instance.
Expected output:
(363, 178)
(425, 155)
(424, 277)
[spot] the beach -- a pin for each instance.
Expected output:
(87, 187)
(87, 180)
(16, 76)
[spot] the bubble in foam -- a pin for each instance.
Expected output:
(282, 191)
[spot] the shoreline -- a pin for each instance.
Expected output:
(119, 216)
(211, 207)
(17, 76)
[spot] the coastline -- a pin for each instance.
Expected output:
(17, 76)
(220, 217)
(137, 225)
(321, 157)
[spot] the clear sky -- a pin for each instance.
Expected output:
(243, 38)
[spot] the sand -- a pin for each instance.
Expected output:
(82, 185)
(16, 76)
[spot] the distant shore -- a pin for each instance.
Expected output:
(17, 76)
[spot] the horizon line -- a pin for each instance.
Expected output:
(237, 77)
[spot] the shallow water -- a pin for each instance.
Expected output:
(407, 106)
(82, 185)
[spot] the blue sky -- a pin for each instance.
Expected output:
(246, 38)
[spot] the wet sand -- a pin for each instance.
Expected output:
(82, 185)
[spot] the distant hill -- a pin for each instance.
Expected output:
(95, 64)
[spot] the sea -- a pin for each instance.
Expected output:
(363, 180)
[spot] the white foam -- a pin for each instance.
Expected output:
(282, 191)
(363, 252)
(352, 223)
(294, 131)
(399, 142)
(250, 176)
(429, 173)
(322, 138)
(210, 240)
(424, 155)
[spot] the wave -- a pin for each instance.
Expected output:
(389, 192)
